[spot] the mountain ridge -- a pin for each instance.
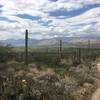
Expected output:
(51, 41)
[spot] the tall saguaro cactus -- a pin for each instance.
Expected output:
(26, 47)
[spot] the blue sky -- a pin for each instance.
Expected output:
(49, 18)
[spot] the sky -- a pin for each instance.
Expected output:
(49, 18)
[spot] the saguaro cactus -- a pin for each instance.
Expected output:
(26, 47)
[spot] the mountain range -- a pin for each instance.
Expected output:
(67, 41)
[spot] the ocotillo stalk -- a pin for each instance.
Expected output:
(26, 47)
(88, 48)
(47, 50)
(60, 49)
(79, 55)
(88, 44)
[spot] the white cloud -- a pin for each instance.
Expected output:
(66, 27)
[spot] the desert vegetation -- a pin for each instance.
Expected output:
(48, 73)
(66, 74)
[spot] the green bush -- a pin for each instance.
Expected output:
(5, 49)
(48, 59)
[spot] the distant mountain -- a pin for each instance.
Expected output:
(18, 42)
(67, 41)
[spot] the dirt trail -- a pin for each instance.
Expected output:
(96, 95)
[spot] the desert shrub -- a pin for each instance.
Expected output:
(50, 60)
(82, 73)
(4, 50)
(51, 87)
(62, 70)
(44, 87)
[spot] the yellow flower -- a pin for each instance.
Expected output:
(24, 81)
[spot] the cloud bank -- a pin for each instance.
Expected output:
(49, 18)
